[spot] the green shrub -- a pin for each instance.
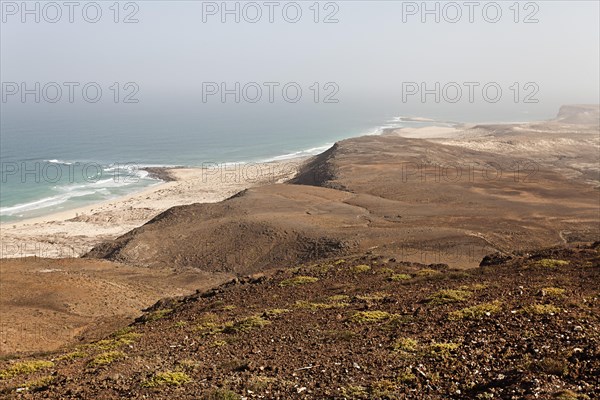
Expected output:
(106, 358)
(357, 269)
(366, 317)
(167, 378)
(319, 306)
(406, 344)
(478, 311)
(551, 263)
(245, 325)
(376, 296)
(339, 298)
(541, 309)
(553, 292)
(25, 367)
(298, 280)
(158, 314)
(442, 349)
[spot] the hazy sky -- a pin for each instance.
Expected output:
(369, 53)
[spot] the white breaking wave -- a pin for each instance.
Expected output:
(109, 184)
(43, 203)
(59, 162)
(301, 153)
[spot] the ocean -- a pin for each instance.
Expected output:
(55, 161)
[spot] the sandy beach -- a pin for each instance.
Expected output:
(74, 232)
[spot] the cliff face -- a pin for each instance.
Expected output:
(579, 114)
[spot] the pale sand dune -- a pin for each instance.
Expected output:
(428, 132)
(74, 232)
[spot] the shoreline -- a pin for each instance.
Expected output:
(163, 173)
(72, 233)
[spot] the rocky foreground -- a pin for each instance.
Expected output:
(368, 327)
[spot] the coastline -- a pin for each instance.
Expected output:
(72, 233)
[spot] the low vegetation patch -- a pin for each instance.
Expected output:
(442, 349)
(429, 273)
(406, 377)
(357, 269)
(298, 280)
(188, 365)
(167, 378)
(158, 314)
(407, 345)
(118, 340)
(474, 287)
(246, 324)
(541, 309)
(376, 296)
(449, 296)
(339, 298)
(367, 317)
(319, 306)
(478, 311)
(355, 392)
(400, 277)
(552, 292)
(209, 328)
(551, 263)
(24, 368)
(106, 358)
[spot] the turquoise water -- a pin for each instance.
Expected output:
(53, 161)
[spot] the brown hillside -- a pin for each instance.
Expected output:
(368, 327)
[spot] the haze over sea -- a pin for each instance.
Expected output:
(172, 48)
